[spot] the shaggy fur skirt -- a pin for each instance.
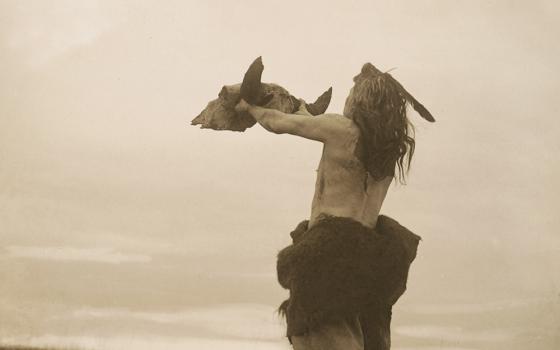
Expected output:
(340, 269)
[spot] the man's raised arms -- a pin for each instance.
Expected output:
(321, 128)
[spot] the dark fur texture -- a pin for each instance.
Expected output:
(341, 269)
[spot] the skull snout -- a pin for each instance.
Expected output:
(199, 119)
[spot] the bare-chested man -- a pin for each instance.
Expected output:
(348, 264)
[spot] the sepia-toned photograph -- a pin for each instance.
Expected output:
(277, 175)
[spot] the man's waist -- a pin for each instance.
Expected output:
(369, 220)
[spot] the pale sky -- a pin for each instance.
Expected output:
(101, 170)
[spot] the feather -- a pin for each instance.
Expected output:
(418, 107)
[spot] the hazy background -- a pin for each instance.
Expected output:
(123, 227)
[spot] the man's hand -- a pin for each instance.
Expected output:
(242, 106)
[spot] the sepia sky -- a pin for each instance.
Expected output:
(102, 176)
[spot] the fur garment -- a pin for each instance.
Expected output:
(339, 269)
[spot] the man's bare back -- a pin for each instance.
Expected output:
(343, 187)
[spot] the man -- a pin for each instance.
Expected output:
(348, 265)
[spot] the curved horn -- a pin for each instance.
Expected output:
(251, 87)
(321, 104)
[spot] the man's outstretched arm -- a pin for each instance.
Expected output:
(318, 128)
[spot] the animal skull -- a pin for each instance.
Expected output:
(220, 114)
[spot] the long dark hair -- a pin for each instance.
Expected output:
(378, 107)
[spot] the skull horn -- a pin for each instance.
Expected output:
(321, 104)
(251, 88)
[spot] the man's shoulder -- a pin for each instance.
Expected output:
(335, 116)
(343, 125)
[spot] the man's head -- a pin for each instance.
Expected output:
(377, 105)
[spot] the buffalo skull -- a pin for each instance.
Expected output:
(220, 114)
